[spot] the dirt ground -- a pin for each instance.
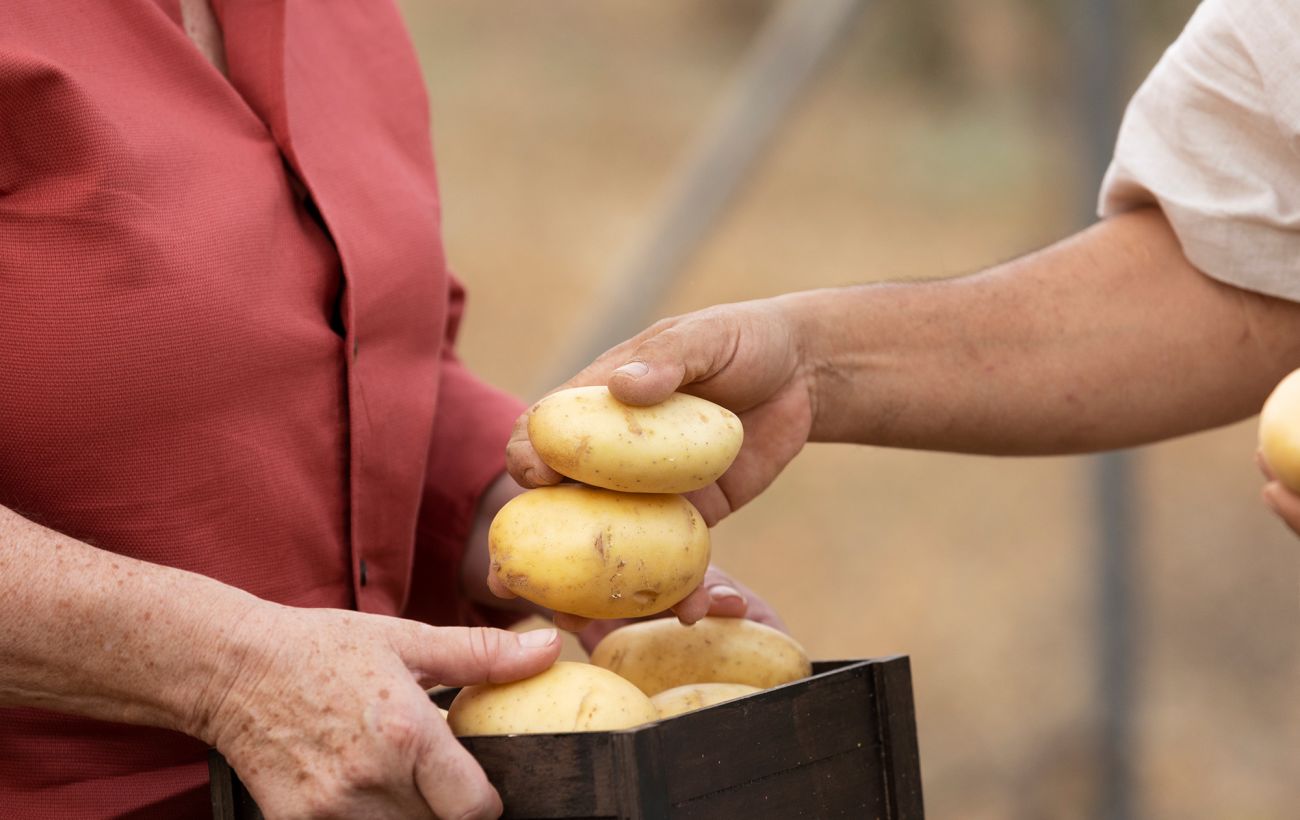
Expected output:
(558, 126)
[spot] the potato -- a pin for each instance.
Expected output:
(681, 444)
(568, 697)
(661, 654)
(1279, 431)
(599, 553)
(692, 696)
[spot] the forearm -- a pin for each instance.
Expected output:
(92, 633)
(1107, 339)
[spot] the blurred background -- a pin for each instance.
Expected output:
(935, 138)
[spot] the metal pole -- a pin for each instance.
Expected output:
(1097, 34)
(1113, 488)
(776, 68)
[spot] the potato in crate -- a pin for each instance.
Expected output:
(839, 743)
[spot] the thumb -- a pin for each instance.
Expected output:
(459, 656)
(690, 351)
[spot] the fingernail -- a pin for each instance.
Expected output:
(633, 370)
(537, 638)
(723, 591)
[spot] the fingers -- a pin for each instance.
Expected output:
(1284, 503)
(694, 606)
(722, 596)
(727, 602)
(711, 502)
(497, 587)
(458, 656)
(522, 461)
(690, 350)
(717, 595)
(647, 379)
(451, 782)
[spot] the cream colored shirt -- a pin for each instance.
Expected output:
(1213, 138)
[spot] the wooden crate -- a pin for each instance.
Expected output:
(841, 743)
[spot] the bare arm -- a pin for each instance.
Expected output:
(88, 632)
(1108, 338)
(323, 712)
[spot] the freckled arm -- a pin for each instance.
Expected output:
(92, 633)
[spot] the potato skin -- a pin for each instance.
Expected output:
(568, 697)
(681, 444)
(662, 654)
(692, 696)
(1279, 431)
(599, 553)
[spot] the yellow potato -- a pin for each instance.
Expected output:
(692, 696)
(599, 553)
(661, 654)
(681, 444)
(1279, 431)
(568, 697)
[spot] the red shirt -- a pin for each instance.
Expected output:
(226, 320)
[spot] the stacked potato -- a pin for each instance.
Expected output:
(623, 543)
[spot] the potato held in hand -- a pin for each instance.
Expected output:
(681, 444)
(663, 654)
(568, 697)
(692, 696)
(1279, 431)
(598, 553)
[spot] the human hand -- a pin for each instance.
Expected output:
(1282, 501)
(324, 713)
(744, 356)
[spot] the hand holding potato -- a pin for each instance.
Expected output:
(568, 697)
(744, 357)
(326, 714)
(560, 540)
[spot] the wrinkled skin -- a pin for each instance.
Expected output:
(329, 718)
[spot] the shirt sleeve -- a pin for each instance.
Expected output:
(472, 425)
(1213, 138)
